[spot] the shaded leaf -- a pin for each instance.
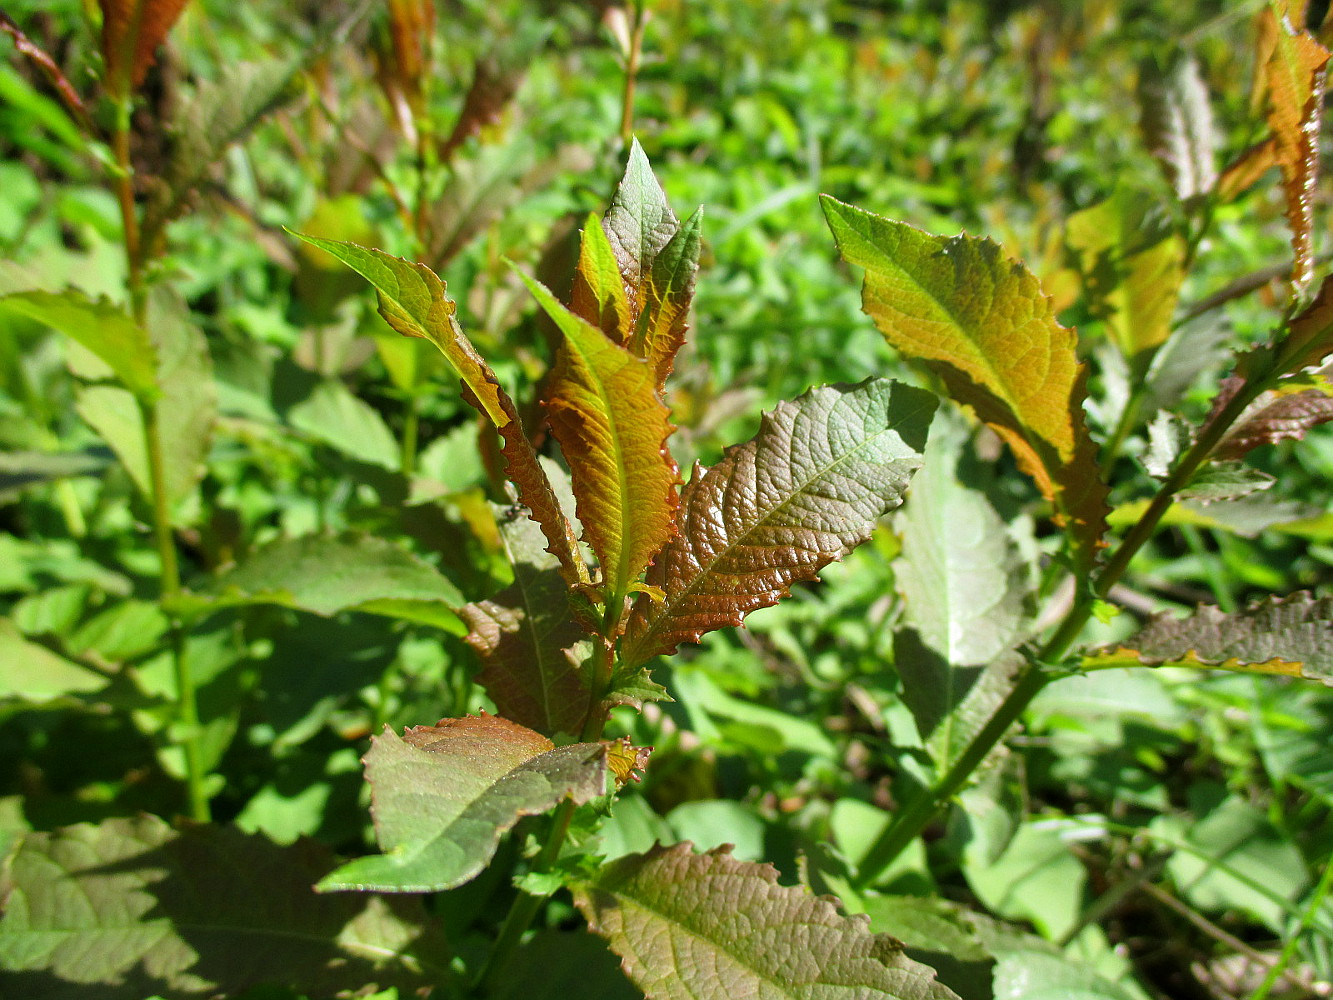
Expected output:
(493, 87)
(413, 300)
(208, 120)
(103, 328)
(326, 574)
(701, 926)
(22, 469)
(526, 638)
(130, 908)
(603, 408)
(982, 324)
(442, 797)
(804, 491)
(131, 32)
(1133, 266)
(599, 294)
(1292, 636)
(1177, 122)
(1245, 170)
(669, 293)
(1276, 417)
(33, 673)
(958, 571)
(1295, 73)
(557, 965)
(1225, 481)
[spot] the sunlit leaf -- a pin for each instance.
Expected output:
(639, 224)
(708, 927)
(444, 795)
(104, 329)
(131, 32)
(806, 490)
(1133, 267)
(527, 640)
(34, 673)
(603, 408)
(670, 291)
(1177, 121)
(414, 301)
(981, 323)
(131, 908)
(1292, 636)
(1295, 73)
(1276, 417)
(599, 294)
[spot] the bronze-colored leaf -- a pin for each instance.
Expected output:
(131, 32)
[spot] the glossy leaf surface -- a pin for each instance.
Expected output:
(443, 796)
(603, 408)
(1178, 126)
(708, 927)
(982, 324)
(806, 490)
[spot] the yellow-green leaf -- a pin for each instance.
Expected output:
(981, 323)
(612, 428)
(599, 294)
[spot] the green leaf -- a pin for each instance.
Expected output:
(1032, 974)
(1291, 636)
(599, 294)
(1177, 122)
(444, 795)
(982, 324)
(20, 470)
(336, 416)
(612, 428)
(558, 965)
(130, 908)
(806, 490)
(1225, 481)
(708, 927)
(670, 291)
(413, 300)
(527, 638)
(104, 329)
(217, 114)
(1036, 878)
(33, 673)
(639, 224)
(1133, 267)
(326, 574)
(1295, 72)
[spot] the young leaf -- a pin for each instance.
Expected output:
(603, 407)
(599, 294)
(442, 797)
(806, 490)
(1273, 417)
(982, 324)
(1291, 636)
(708, 927)
(131, 908)
(1133, 268)
(413, 300)
(327, 574)
(639, 225)
(1295, 73)
(526, 638)
(131, 32)
(1177, 122)
(101, 327)
(670, 291)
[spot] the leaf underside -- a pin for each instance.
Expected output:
(982, 324)
(442, 796)
(806, 490)
(1178, 126)
(1292, 636)
(155, 18)
(703, 926)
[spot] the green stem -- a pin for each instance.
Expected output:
(411, 426)
(922, 809)
(1211, 566)
(1289, 949)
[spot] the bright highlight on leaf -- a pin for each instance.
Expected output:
(806, 490)
(603, 407)
(444, 795)
(1295, 72)
(694, 926)
(1292, 636)
(981, 323)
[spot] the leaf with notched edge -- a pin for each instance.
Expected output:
(526, 637)
(806, 490)
(443, 796)
(155, 18)
(1292, 636)
(639, 225)
(708, 927)
(982, 324)
(599, 294)
(603, 408)
(414, 301)
(661, 333)
(1295, 73)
